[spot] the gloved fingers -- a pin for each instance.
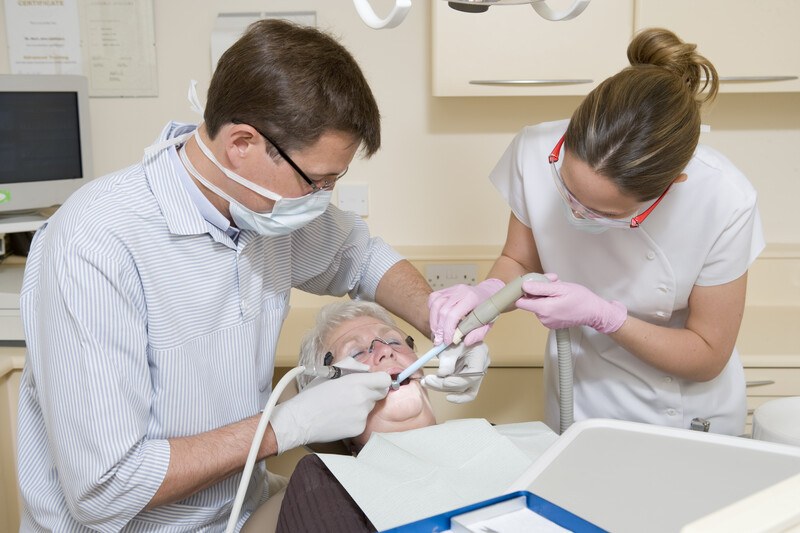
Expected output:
(468, 393)
(477, 335)
(375, 384)
(449, 359)
(451, 383)
(450, 314)
(552, 276)
(316, 382)
(540, 288)
(438, 300)
(332, 410)
(464, 397)
(529, 304)
(474, 359)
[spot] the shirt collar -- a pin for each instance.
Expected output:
(166, 175)
(206, 208)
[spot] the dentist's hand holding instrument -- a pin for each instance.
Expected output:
(331, 407)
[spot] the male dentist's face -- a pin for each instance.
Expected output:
(383, 348)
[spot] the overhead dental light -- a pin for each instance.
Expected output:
(401, 8)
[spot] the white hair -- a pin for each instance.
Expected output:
(313, 346)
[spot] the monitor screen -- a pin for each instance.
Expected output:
(45, 144)
(40, 136)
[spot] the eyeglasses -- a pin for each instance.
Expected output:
(582, 211)
(361, 352)
(316, 186)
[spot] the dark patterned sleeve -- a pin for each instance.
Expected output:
(315, 501)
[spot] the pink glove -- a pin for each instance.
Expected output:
(448, 306)
(563, 305)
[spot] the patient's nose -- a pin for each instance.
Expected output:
(381, 351)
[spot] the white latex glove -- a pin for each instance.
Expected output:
(455, 360)
(333, 410)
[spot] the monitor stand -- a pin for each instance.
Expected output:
(17, 223)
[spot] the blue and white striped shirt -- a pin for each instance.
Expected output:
(145, 322)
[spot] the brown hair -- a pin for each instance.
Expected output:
(294, 83)
(641, 126)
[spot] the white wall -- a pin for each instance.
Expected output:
(428, 183)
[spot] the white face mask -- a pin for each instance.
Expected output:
(586, 225)
(287, 215)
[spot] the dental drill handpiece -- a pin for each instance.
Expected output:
(486, 312)
(503, 300)
(330, 372)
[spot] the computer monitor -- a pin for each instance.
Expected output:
(45, 145)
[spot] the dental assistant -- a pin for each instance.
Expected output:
(649, 237)
(153, 298)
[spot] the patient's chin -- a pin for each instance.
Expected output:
(404, 409)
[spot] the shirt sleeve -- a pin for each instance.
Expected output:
(87, 348)
(739, 243)
(509, 179)
(335, 255)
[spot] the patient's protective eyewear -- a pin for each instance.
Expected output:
(361, 352)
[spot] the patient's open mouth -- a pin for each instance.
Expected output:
(404, 382)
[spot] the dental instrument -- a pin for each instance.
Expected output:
(330, 372)
(460, 375)
(416, 365)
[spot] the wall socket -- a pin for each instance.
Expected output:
(447, 275)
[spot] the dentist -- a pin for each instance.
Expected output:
(153, 298)
(648, 236)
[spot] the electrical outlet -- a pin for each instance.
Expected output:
(443, 276)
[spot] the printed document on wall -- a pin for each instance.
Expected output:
(120, 47)
(43, 36)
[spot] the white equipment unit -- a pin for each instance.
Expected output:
(633, 477)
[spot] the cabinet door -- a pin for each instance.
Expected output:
(512, 51)
(753, 44)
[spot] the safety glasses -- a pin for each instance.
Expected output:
(316, 186)
(397, 341)
(581, 211)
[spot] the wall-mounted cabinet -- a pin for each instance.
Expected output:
(754, 45)
(511, 51)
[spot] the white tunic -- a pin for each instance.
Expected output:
(706, 231)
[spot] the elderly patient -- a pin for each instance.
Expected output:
(353, 334)
(357, 334)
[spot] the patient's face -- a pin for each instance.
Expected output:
(402, 409)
